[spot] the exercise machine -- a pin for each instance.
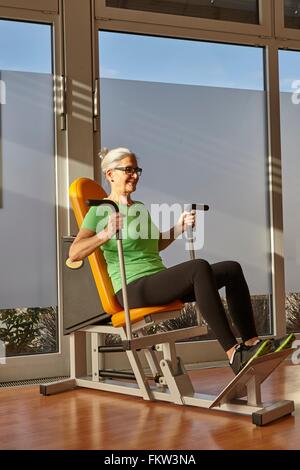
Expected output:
(91, 311)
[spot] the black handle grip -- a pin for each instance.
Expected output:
(200, 207)
(99, 202)
(107, 202)
(194, 206)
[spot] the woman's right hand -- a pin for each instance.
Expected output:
(115, 223)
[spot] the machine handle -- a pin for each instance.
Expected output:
(105, 202)
(99, 202)
(189, 229)
(190, 238)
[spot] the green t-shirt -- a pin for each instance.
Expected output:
(139, 239)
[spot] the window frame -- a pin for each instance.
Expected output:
(49, 364)
(49, 6)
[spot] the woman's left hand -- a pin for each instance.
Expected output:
(185, 219)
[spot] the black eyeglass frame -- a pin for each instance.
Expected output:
(129, 170)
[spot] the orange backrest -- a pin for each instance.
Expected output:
(79, 191)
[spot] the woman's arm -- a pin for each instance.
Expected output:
(87, 241)
(166, 238)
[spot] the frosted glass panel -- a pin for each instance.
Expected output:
(204, 144)
(28, 258)
(27, 216)
(290, 141)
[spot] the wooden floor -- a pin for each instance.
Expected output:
(89, 419)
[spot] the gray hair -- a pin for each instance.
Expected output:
(110, 158)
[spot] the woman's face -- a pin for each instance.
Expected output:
(120, 178)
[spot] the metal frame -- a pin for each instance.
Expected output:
(47, 6)
(96, 95)
(168, 379)
(169, 373)
(275, 189)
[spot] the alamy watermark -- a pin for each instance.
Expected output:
(2, 352)
(2, 92)
(139, 225)
(296, 354)
(296, 93)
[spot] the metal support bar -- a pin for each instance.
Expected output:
(111, 349)
(57, 387)
(139, 375)
(117, 374)
(101, 357)
(169, 354)
(274, 411)
(253, 391)
(124, 289)
(95, 356)
(77, 354)
(153, 362)
(275, 188)
(175, 335)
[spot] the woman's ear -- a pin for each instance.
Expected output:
(109, 176)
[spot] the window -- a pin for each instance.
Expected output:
(178, 104)
(292, 14)
(28, 290)
(243, 11)
(290, 143)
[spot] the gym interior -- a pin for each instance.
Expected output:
(207, 95)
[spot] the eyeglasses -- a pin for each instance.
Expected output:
(129, 170)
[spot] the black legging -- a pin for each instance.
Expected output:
(200, 281)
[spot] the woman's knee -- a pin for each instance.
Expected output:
(234, 268)
(200, 266)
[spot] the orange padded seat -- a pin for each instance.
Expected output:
(81, 190)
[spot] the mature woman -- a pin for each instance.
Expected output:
(151, 283)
